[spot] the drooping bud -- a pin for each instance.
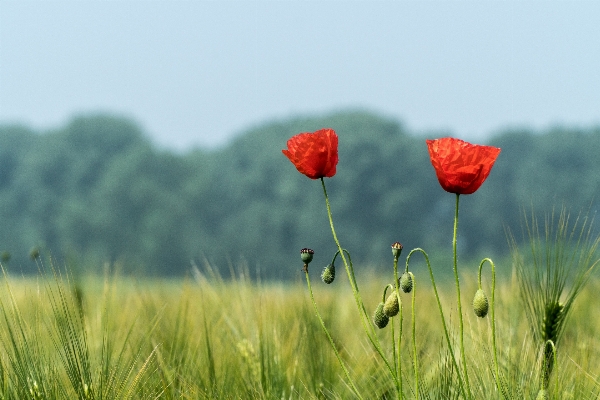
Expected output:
(328, 274)
(306, 255)
(406, 282)
(391, 306)
(542, 395)
(379, 318)
(480, 304)
(396, 250)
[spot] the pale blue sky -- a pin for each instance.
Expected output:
(197, 73)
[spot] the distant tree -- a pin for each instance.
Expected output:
(98, 191)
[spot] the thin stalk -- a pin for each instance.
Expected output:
(413, 326)
(394, 357)
(460, 316)
(414, 337)
(399, 361)
(494, 348)
(439, 303)
(548, 363)
(545, 378)
(349, 269)
(359, 304)
(337, 354)
(394, 347)
(400, 390)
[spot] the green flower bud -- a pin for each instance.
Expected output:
(306, 255)
(396, 249)
(480, 304)
(379, 318)
(406, 282)
(328, 274)
(391, 306)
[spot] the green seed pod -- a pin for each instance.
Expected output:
(396, 249)
(480, 304)
(328, 274)
(306, 255)
(379, 318)
(406, 282)
(391, 306)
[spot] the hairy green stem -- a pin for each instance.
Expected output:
(359, 304)
(399, 361)
(460, 315)
(394, 347)
(439, 303)
(400, 390)
(494, 348)
(414, 337)
(337, 354)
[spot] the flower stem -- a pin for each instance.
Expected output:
(337, 354)
(399, 361)
(414, 337)
(359, 304)
(394, 347)
(493, 316)
(439, 303)
(349, 269)
(460, 316)
(400, 391)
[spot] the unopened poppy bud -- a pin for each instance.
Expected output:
(480, 304)
(306, 255)
(406, 282)
(542, 395)
(328, 274)
(396, 249)
(379, 318)
(391, 306)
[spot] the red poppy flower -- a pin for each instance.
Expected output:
(461, 167)
(314, 154)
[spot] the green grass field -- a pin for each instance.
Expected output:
(120, 338)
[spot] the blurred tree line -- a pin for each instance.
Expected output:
(98, 191)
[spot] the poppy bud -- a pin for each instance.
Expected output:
(406, 282)
(306, 255)
(396, 249)
(379, 318)
(480, 304)
(328, 274)
(391, 306)
(542, 395)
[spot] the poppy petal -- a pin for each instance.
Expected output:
(314, 154)
(461, 167)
